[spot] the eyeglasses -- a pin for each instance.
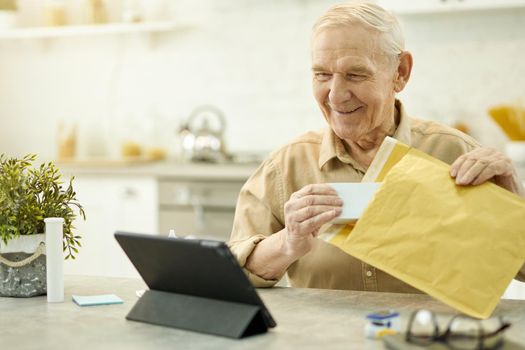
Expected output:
(462, 333)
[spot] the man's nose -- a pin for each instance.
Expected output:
(339, 92)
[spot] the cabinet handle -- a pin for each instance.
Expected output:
(200, 220)
(129, 192)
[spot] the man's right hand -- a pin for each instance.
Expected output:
(305, 212)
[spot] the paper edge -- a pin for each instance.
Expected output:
(381, 157)
(117, 300)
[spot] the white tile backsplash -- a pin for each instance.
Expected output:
(251, 59)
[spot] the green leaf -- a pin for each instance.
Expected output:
(28, 194)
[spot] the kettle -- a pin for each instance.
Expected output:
(201, 142)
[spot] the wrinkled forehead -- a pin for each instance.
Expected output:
(356, 42)
(346, 37)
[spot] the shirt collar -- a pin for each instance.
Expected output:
(403, 130)
(332, 146)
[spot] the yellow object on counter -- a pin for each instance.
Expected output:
(67, 141)
(55, 13)
(460, 244)
(131, 149)
(511, 119)
(156, 153)
(97, 13)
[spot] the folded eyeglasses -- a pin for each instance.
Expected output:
(462, 332)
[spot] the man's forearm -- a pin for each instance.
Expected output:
(271, 258)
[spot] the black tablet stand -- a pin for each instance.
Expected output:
(205, 315)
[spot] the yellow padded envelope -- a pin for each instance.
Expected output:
(461, 245)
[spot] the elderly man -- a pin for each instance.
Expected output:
(358, 65)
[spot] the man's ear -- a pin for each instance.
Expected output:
(404, 69)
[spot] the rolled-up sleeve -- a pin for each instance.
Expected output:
(258, 214)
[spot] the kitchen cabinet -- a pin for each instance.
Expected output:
(194, 199)
(407, 7)
(127, 203)
(201, 208)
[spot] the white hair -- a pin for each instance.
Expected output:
(369, 15)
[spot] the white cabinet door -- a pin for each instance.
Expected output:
(111, 203)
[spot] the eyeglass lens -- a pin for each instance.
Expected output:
(423, 327)
(463, 333)
(467, 333)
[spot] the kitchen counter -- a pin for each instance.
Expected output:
(306, 319)
(172, 169)
(161, 169)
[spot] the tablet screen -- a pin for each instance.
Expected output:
(202, 268)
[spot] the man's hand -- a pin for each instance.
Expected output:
(483, 164)
(305, 212)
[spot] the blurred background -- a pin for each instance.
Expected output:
(114, 89)
(249, 58)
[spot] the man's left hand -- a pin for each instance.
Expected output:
(483, 164)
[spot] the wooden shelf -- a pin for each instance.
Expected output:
(87, 30)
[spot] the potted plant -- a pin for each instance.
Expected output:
(29, 194)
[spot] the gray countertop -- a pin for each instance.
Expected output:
(306, 319)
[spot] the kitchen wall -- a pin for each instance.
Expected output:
(251, 59)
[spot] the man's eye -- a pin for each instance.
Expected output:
(355, 77)
(323, 76)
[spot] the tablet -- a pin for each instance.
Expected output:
(202, 268)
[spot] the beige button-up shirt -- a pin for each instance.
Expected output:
(319, 157)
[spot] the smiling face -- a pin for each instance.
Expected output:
(354, 83)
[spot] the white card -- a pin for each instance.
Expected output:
(356, 197)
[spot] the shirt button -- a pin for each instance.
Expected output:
(369, 273)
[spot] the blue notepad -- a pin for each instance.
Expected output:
(92, 300)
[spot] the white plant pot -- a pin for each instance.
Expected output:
(23, 266)
(24, 243)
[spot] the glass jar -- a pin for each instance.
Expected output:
(55, 13)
